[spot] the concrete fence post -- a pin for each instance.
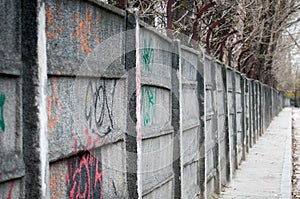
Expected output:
(254, 110)
(246, 113)
(34, 59)
(257, 115)
(260, 109)
(235, 142)
(217, 133)
(201, 103)
(250, 113)
(131, 144)
(176, 92)
(232, 123)
(243, 116)
(226, 126)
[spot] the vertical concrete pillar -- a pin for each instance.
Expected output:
(131, 144)
(217, 184)
(242, 82)
(253, 111)
(34, 59)
(201, 102)
(227, 134)
(235, 165)
(176, 117)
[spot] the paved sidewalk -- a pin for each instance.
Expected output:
(266, 173)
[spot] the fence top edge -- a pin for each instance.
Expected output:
(108, 7)
(149, 28)
(192, 50)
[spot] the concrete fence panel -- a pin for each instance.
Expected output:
(259, 107)
(222, 124)
(239, 117)
(12, 166)
(211, 138)
(232, 130)
(251, 113)
(247, 109)
(254, 111)
(87, 102)
(157, 131)
(192, 133)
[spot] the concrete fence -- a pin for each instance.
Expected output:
(93, 105)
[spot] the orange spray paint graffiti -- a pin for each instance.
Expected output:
(54, 105)
(86, 29)
(57, 180)
(54, 20)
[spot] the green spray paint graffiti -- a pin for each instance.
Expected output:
(148, 105)
(148, 56)
(2, 101)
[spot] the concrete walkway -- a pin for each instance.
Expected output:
(266, 173)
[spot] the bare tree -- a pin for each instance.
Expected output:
(247, 35)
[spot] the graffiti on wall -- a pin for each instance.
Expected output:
(11, 187)
(99, 101)
(55, 21)
(84, 177)
(148, 56)
(54, 106)
(84, 29)
(57, 180)
(79, 176)
(2, 102)
(148, 105)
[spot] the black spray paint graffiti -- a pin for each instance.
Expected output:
(99, 102)
(84, 177)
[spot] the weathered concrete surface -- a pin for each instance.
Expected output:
(12, 167)
(222, 125)
(191, 131)
(12, 189)
(239, 117)
(266, 170)
(34, 116)
(231, 114)
(211, 129)
(156, 103)
(10, 34)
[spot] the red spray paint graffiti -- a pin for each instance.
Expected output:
(12, 184)
(84, 177)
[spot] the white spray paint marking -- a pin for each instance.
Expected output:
(138, 110)
(42, 61)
